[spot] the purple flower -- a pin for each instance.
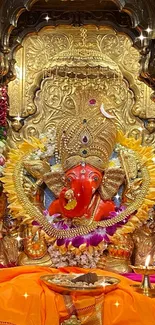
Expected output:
(112, 214)
(111, 230)
(35, 223)
(95, 239)
(120, 209)
(45, 212)
(56, 215)
(60, 242)
(60, 225)
(77, 241)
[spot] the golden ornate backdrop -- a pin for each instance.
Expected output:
(41, 94)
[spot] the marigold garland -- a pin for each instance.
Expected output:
(145, 154)
(147, 158)
(3, 127)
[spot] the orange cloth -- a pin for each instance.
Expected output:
(42, 306)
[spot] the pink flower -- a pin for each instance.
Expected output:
(2, 160)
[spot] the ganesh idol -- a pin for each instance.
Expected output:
(101, 189)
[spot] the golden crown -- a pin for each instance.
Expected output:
(89, 137)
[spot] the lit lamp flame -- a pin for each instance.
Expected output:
(147, 261)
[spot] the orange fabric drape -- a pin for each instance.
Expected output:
(25, 300)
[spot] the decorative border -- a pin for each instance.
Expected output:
(3, 126)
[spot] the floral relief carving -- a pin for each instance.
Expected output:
(130, 98)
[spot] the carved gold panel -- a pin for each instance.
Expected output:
(43, 98)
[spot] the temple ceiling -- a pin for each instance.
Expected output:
(132, 17)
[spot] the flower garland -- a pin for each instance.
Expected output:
(3, 126)
(85, 250)
(28, 212)
(3, 135)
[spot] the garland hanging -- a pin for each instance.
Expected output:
(3, 126)
(20, 205)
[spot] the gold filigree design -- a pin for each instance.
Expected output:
(54, 179)
(146, 160)
(35, 245)
(128, 97)
(25, 260)
(8, 251)
(37, 167)
(17, 100)
(23, 208)
(112, 180)
(83, 139)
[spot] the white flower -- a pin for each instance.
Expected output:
(1, 170)
(2, 144)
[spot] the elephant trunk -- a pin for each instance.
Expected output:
(78, 202)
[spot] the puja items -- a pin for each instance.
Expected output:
(146, 288)
(88, 289)
(85, 284)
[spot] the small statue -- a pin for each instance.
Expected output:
(144, 240)
(119, 254)
(8, 245)
(35, 248)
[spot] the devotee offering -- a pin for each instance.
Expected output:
(83, 284)
(89, 278)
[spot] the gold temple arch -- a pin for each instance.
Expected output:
(66, 77)
(56, 62)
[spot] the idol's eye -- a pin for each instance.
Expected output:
(68, 179)
(96, 178)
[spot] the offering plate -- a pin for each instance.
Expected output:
(62, 283)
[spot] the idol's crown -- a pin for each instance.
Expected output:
(88, 138)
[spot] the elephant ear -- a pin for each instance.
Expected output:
(112, 180)
(55, 179)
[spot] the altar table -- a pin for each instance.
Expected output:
(25, 300)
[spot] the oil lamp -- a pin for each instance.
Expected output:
(146, 270)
